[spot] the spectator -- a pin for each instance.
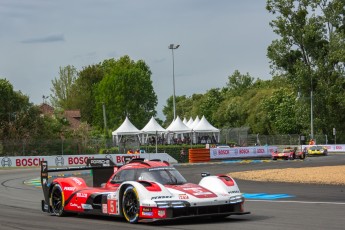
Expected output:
(182, 155)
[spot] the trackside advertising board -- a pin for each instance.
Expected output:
(76, 160)
(330, 148)
(241, 152)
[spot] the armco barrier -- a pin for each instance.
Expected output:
(199, 155)
(75, 160)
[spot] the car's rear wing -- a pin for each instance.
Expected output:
(101, 170)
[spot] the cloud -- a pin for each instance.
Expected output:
(47, 39)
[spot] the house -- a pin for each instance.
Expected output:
(72, 116)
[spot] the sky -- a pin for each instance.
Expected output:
(216, 37)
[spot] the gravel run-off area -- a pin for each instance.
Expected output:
(334, 175)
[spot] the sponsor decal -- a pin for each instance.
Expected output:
(104, 208)
(22, 162)
(147, 212)
(197, 191)
(112, 206)
(59, 161)
(6, 162)
(244, 151)
(75, 205)
(104, 162)
(160, 197)
(81, 195)
(260, 151)
(223, 152)
(76, 180)
(86, 206)
(77, 160)
(161, 213)
(235, 191)
(183, 196)
(71, 189)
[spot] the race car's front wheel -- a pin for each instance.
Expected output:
(57, 201)
(130, 205)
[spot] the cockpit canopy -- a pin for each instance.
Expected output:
(162, 175)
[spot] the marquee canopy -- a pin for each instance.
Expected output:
(205, 127)
(177, 126)
(126, 128)
(152, 127)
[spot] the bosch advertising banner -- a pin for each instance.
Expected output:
(242, 152)
(74, 160)
(330, 148)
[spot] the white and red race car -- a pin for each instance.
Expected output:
(140, 191)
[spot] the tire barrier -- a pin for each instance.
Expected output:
(199, 155)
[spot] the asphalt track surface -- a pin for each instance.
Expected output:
(309, 207)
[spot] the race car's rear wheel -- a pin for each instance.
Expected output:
(302, 156)
(130, 204)
(57, 201)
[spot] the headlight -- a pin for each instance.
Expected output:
(172, 204)
(236, 199)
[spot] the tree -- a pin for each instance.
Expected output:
(280, 109)
(20, 120)
(84, 89)
(63, 96)
(311, 54)
(125, 90)
(210, 104)
(239, 83)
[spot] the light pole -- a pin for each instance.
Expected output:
(311, 115)
(311, 109)
(45, 99)
(173, 47)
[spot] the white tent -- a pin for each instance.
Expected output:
(190, 122)
(205, 127)
(177, 128)
(185, 121)
(125, 129)
(195, 122)
(152, 127)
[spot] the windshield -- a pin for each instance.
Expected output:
(316, 148)
(163, 175)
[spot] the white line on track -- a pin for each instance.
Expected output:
(295, 201)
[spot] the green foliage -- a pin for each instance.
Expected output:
(238, 83)
(311, 53)
(84, 91)
(62, 92)
(126, 91)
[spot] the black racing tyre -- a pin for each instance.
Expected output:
(302, 156)
(57, 201)
(130, 205)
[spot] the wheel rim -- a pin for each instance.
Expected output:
(57, 200)
(130, 205)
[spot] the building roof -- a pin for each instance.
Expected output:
(46, 109)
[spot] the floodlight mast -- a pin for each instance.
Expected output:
(173, 47)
